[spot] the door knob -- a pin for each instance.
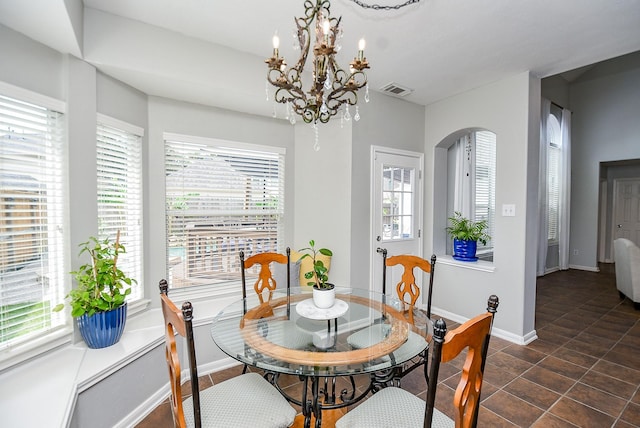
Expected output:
(619, 226)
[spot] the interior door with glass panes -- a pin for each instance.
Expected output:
(396, 210)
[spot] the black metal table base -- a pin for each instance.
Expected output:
(324, 398)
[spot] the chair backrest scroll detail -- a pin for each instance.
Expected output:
(265, 284)
(407, 290)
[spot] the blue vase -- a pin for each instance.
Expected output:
(464, 250)
(103, 329)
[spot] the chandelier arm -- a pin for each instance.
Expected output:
(308, 113)
(288, 89)
(303, 41)
(341, 96)
(338, 73)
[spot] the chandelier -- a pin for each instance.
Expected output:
(332, 87)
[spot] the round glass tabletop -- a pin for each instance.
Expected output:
(367, 334)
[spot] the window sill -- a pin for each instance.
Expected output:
(55, 379)
(480, 265)
(54, 340)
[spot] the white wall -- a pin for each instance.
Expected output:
(131, 51)
(64, 77)
(30, 65)
(386, 122)
(506, 108)
(556, 90)
(120, 101)
(322, 205)
(189, 119)
(333, 185)
(606, 106)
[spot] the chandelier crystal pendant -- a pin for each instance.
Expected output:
(331, 86)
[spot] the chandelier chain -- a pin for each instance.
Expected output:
(385, 7)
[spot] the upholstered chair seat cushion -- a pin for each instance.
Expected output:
(255, 403)
(392, 407)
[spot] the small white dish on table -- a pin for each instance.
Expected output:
(308, 309)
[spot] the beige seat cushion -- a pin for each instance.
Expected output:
(392, 408)
(243, 401)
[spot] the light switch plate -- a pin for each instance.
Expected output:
(508, 210)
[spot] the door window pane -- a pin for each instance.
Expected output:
(397, 197)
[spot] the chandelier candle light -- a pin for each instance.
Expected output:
(332, 87)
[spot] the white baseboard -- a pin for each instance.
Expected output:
(529, 337)
(587, 268)
(496, 332)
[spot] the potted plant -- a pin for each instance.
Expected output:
(98, 303)
(324, 293)
(466, 234)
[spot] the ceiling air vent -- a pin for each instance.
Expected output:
(395, 90)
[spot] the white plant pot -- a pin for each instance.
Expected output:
(324, 298)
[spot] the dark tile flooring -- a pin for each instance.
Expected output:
(582, 371)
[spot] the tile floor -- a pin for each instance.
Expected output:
(583, 371)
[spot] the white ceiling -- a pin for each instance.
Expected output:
(180, 48)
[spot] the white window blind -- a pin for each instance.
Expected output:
(485, 181)
(221, 198)
(119, 168)
(32, 218)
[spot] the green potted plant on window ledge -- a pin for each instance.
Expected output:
(324, 293)
(98, 303)
(466, 234)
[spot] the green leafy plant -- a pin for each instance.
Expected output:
(463, 229)
(101, 285)
(319, 274)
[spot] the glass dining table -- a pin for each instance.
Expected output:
(364, 332)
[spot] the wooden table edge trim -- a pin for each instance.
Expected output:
(397, 336)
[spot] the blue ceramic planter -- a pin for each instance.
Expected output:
(103, 328)
(465, 250)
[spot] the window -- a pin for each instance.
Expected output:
(397, 202)
(554, 156)
(473, 157)
(221, 198)
(119, 151)
(485, 181)
(32, 217)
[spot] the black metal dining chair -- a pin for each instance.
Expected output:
(396, 407)
(245, 400)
